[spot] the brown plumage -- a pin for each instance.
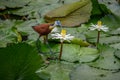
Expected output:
(43, 29)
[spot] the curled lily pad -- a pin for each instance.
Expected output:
(71, 14)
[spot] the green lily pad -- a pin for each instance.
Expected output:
(88, 54)
(56, 71)
(111, 21)
(70, 52)
(19, 61)
(106, 40)
(71, 14)
(117, 53)
(116, 45)
(106, 60)
(85, 72)
(73, 53)
(112, 5)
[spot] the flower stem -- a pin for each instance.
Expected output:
(98, 37)
(61, 49)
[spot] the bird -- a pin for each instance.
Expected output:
(45, 28)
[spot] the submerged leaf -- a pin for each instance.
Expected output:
(75, 13)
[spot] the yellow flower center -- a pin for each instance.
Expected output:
(63, 32)
(99, 23)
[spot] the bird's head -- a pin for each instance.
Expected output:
(57, 23)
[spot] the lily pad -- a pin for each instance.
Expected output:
(70, 52)
(106, 40)
(117, 53)
(74, 14)
(106, 60)
(88, 54)
(85, 72)
(19, 61)
(111, 21)
(73, 53)
(56, 71)
(116, 45)
(112, 5)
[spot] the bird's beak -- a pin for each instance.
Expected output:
(51, 27)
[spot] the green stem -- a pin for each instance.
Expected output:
(61, 49)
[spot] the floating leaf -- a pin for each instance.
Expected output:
(6, 33)
(13, 3)
(19, 61)
(35, 7)
(106, 59)
(112, 5)
(56, 71)
(111, 21)
(106, 40)
(88, 54)
(73, 53)
(79, 42)
(116, 45)
(70, 52)
(85, 72)
(117, 53)
(71, 14)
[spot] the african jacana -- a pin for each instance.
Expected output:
(45, 28)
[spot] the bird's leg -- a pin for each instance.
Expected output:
(38, 44)
(46, 42)
(45, 38)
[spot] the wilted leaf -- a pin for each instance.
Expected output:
(71, 14)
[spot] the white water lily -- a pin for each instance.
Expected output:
(99, 27)
(54, 30)
(62, 36)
